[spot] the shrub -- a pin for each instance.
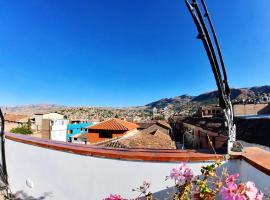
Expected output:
(24, 129)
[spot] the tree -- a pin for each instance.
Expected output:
(23, 129)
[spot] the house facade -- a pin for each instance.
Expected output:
(54, 129)
(59, 129)
(77, 128)
(109, 129)
(39, 117)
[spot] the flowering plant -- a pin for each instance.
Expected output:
(241, 191)
(114, 197)
(182, 176)
(207, 186)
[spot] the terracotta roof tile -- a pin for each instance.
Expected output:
(144, 140)
(114, 124)
(162, 123)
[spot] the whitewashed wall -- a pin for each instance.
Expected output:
(59, 130)
(70, 176)
(247, 173)
(36, 172)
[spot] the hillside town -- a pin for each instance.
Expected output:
(116, 100)
(166, 126)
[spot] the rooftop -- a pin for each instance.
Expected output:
(144, 125)
(16, 118)
(114, 124)
(149, 140)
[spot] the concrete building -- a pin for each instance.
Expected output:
(59, 130)
(210, 111)
(54, 129)
(251, 109)
(79, 138)
(38, 117)
(77, 128)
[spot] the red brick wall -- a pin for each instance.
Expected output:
(93, 135)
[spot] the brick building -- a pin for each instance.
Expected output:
(210, 111)
(109, 129)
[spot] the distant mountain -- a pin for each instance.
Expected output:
(262, 89)
(32, 108)
(174, 103)
(167, 102)
(236, 94)
(211, 97)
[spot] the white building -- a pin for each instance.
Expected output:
(40, 116)
(59, 130)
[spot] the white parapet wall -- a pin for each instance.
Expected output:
(247, 173)
(36, 172)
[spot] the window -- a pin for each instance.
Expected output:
(105, 134)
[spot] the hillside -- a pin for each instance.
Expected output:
(32, 108)
(236, 94)
(178, 103)
(167, 102)
(211, 97)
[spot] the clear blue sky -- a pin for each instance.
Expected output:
(124, 52)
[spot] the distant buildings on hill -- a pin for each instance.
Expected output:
(205, 130)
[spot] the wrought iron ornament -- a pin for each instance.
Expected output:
(221, 78)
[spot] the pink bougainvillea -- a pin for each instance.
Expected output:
(207, 186)
(243, 191)
(181, 174)
(114, 197)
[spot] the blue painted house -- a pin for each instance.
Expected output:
(75, 129)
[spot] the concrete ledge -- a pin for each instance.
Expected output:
(114, 153)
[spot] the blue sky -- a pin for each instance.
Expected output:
(124, 52)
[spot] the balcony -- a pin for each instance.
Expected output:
(58, 170)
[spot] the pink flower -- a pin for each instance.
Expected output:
(259, 196)
(182, 174)
(251, 190)
(226, 193)
(232, 178)
(114, 197)
(239, 197)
